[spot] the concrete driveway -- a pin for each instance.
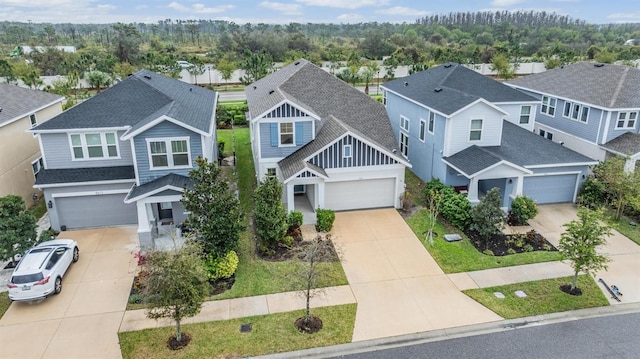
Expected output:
(398, 286)
(83, 320)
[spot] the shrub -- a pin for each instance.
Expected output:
(431, 186)
(136, 298)
(270, 216)
(222, 267)
(455, 208)
(46, 235)
(487, 216)
(523, 208)
(593, 193)
(295, 218)
(231, 113)
(287, 241)
(324, 219)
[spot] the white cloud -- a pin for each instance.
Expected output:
(178, 7)
(402, 11)
(506, 2)
(287, 9)
(625, 16)
(199, 8)
(342, 4)
(351, 18)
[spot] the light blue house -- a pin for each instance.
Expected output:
(475, 133)
(591, 108)
(124, 156)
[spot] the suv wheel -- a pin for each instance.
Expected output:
(76, 254)
(57, 286)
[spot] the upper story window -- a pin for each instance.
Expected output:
(626, 119)
(548, 105)
(576, 112)
(37, 165)
(384, 97)
(404, 144)
(94, 146)
(346, 151)
(525, 114)
(404, 123)
(432, 122)
(33, 120)
(423, 128)
(286, 133)
(169, 153)
(475, 132)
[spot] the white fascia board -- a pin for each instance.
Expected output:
(26, 114)
(72, 184)
(480, 100)
(155, 191)
(556, 165)
(416, 103)
(83, 130)
(157, 121)
(308, 112)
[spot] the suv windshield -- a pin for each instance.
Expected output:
(27, 278)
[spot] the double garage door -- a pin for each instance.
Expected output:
(95, 211)
(551, 189)
(361, 194)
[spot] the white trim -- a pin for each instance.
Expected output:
(400, 144)
(18, 118)
(308, 112)
(293, 133)
(422, 130)
(151, 193)
(475, 130)
(626, 127)
(135, 162)
(37, 160)
(73, 184)
(42, 154)
(415, 102)
(130, 134)
(344, 151)
(89, 193)
(403, 120)
(147, 200)
(499, 163)
(306, 168)
(571, 164)
(167, 141)
(480, 100)
(433, 130)
(528, 115)
(83, 130)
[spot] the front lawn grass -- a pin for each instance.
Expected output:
(623, 225)
(462, 256)
(543, 297)
(5, 302)
(273, 333)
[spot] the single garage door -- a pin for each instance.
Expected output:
(95, 211)
(360, 194)
(550, 189)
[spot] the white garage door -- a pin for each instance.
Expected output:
(95, 211)
(550, 189)
(360, 194)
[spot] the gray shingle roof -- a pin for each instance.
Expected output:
(450, 87)
(627, 144)
(75, 175)
(609, 86)
(520, 147)
(137, 100)
(172, 179)
(17, 102)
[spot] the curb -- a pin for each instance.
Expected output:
(456, 332)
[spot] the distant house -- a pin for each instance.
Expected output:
(123, 156)
(20, 161)
(329, 144)
(26, 50)
(591, 108)
(475, 133)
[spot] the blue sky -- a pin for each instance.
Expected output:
(302, 11)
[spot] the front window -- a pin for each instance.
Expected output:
(94, 146)
(627, 120)
(475, 133)
(32, 119)
(548, 105)
(169, 153)
(346, 151)
(271, 172)
(432, 122)
(404, 144)
(423, 128)
(404, 123)
(525, 114)
(286, 133)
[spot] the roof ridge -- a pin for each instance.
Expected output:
(614, 97)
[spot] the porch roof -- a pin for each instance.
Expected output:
(80, 175)
(627, 144)
(171, 181)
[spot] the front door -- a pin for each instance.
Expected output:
(164, 211)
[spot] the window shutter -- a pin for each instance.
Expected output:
(299, 133)
(274, 135)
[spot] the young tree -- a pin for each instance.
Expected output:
(196, 69)
(623, 186)
(487, 217)
(500, 63)
(176, 285)
(367, 74)
(226, 68)
(270, 216)
(17, 227)
(434, 198)
(255, 66)
(578, 243)
(98, 79)
(214, 210)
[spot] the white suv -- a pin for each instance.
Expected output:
(39, 273)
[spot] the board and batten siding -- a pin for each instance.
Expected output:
(58, 154)
(458, 127)
(164, 130)
(268, 131)
(362, 155)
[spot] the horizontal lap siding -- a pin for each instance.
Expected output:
(57, 150)
(361, 155)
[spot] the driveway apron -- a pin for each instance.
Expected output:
(398, 286)
(83, 320)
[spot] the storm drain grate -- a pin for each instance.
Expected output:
(245, 328)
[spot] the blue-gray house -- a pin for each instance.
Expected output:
(123, 156)
(475, 133)
(591, 108)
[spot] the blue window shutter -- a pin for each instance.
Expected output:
(274, 135)
(299, 133)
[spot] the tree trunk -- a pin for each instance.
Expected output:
(178, 331)
(308, 313)
(574, 282)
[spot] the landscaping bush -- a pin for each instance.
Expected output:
(487, 217)
(231, 113)
(295, 218)
(270, 216)
(222, 267)
(454, 207)
(47, 235)
(431, 186)
(593, 193)
(324, 219)
(523, 208)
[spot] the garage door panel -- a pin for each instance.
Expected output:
(551, 189)
(95, 211)
(360, 194)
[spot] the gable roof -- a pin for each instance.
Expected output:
(138, 100)
(627, 144)
(603, 85)
(322, 94)
(170, 181)
(18, 102)
(450, 87)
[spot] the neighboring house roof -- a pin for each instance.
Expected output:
(519, 147)
(19, 102)
(627, 144)
(322, 94)
(603, 85)
(138, 100)
(451, 87)
(171, 181)
(78, 175)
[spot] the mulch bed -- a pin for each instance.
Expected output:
(506, 244)
(567, 289)
(284, 253)
(313, 325)
(174, 344)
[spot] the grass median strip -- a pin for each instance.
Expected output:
(273, 333)
(543, 297)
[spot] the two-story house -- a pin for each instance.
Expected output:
(475, 133)
(124, 156)
(329, 144)
(591, 108)
(20, 110)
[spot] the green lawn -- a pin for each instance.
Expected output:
(462, 256)
(543, 297)
(623, 226)
(5, 302)
(272, 333)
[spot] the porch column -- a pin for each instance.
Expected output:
(517, 189)
(630, 165)
(320, 198)
(290, 198)
(144, 229)
(472, 196)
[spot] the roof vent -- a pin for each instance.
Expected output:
(147, 77)
(0, 109)
(254, 87)
(447, 65)
(296, 63)
(598, 65)
(190, 89)
(406, 83)
(271, 92)
(437, 89)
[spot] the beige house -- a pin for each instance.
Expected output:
(21, 109)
